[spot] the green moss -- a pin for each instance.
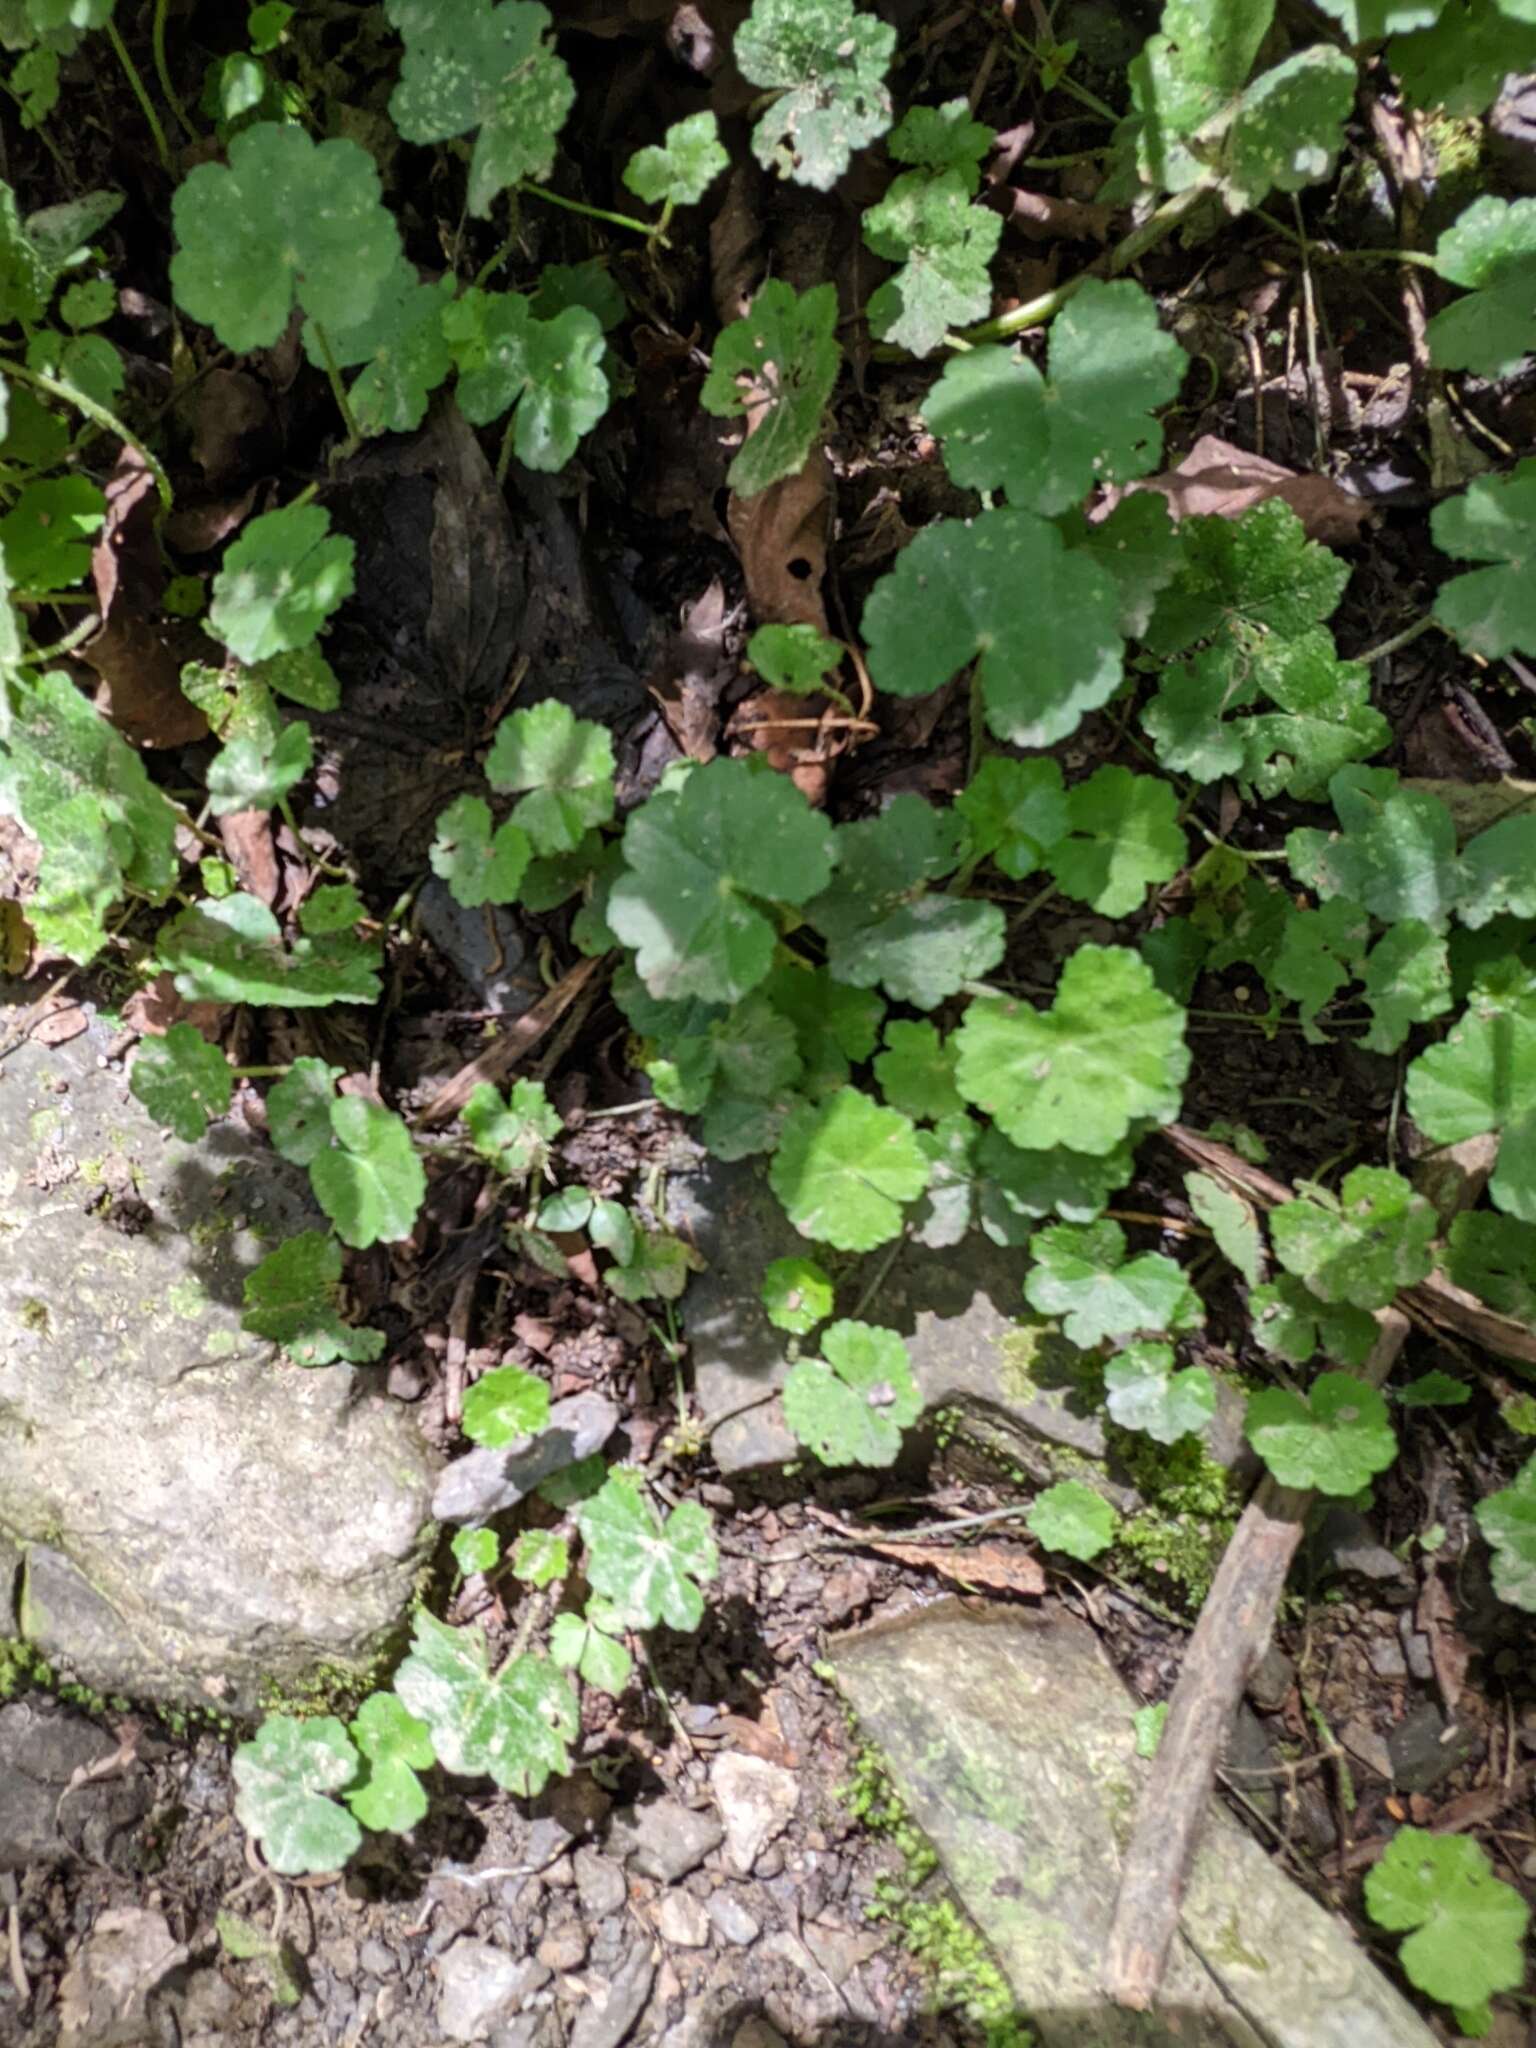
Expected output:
(966, 1978)
(1191, 1507)
(1455, 148)
(23, 1668)
(34, 1314)
(328, 1689)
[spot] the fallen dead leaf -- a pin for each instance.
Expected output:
(1217, 478)
(736, 244)
(1044, 217)
(234, 432)
(247, 837)
(1449, 1650)
(153, 1010)
(1001, 1566)
(137, 654)
(59, 1023)
(691, 674)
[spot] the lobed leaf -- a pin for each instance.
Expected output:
(844, 1168)
(550, 370)
(284, 1775)
(293, 1298)
(513, 1728)
(927, 224)
(1080, 1272)
(827, 63)
(1334, 1442)
(777, 365)
(648, 1570)
(852, 1403)
(184, 1082)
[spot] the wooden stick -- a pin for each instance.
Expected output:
(519, 1039)
(1230, 1637)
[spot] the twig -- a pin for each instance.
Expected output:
(515, 1043)
(1229, 1639)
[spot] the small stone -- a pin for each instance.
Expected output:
(561, 1874)
(1415, 1648)
(478, 1987)
(1270, 1686)
(731, 1919)
(757, 1801)
(1367, 1746)
(1346, 1542)
(682, 1921)
(663, 1840)
(757, 2033)
(606, 2025)
(599, 1884)
(1386, 1658)
(486, 1481)
(375, 1957)
(103, 2000)
(1426, 1749)
(564, 1947)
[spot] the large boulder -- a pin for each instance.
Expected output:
(184, 1516)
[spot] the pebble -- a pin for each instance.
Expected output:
(757, 1801)
(732, 1921)
(682, 1921)
(599, 1884)
(607, 2025)
(1386, 1658)
(375, 1958)
(663, 1839)
(478, 1986)
(757, 2033)
(564, 1947)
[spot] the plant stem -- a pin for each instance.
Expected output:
(146, 105)
(70, 641)
(338, 392)
(504, 452)
(650, 229)
(1067, 83)
(163, 70)
(978, 727)
(1034, 312)
(108, 421)
(1331, 255)
(1398, 640)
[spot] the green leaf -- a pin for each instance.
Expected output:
(1460, 63)
(1123, 835)
(280, 582)
(551, 370)
(1333, 1442)
(794, 658)
(797, 1295)
(1149, 1723)
(1138, 545)
(1109, 1052)
(916, 1072)
(370, 1182)
(89, 362)
(580, 284)
(284, 1775)
(1361, 1246)
(827, 62)
(696, 859)
(1491, 610)
(514, 1132)
(293, 1298)
(286, 218)
(1407, 981)
(942, 139)
(88, 304)
(1435, 1390)
(1371, 21)
(540, 1557)
(682, 170)
(26, 277)
(1481, 1076)
(649, 1571)
(1291, 1323)
(334, 907)
(1395, 853)
(478, 864)
(504, 1406)
(1016, 1184)
(82, 792)
(1508, 1522)
(779, 363)
(1016, 812)
(1080, 1273)
(1048, 444)
(834, 1024)
(1005, 589)
(844, 1168)
(943, 243)
(1072, 1518)
(851, 1405)
(233, 952)
(1260, 571)
(1319, 952)
(299, 1110)
(394, 1746)
(582, 1644)
(401, 347)
(952, 1202)
(47, 533)
(475, 1550)
(566, 765)
(1288, 127)
(1469, 1927)
(183, 1081)
(1494, 1257)
(302, 674)
(474, 64)
(513, 1728)
(657, 1268)
(1491, 249)
(245, 775)
(1230, 1220)
(1499, 871)
(1187, 74)
(1144, 1393)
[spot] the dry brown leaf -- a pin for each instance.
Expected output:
(1449, 1650)
(1217, 478)
(153, 1010)
(1043, 217)
(1001, 1566)
(736, 244)
(691, 673)
(247, 837)
(234, 430)
(59, 1023)
(136, 652)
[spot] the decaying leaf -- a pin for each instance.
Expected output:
(1216, 477)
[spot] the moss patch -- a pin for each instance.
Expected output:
(1191, 1510)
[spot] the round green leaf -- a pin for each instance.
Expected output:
(1145, 1393)
(1072, 1518)
(844, 1168)
(514, 1728)
(1508, 1521)
(683, 168)
(280, 582)
(293, 1299)
(648, 1570)
(797, 1294)
(1469, 1927)
(182, 1080)
(851, 1405)
(1334, 1442)
(566, 765)
(394, 1746)
(826, 62)
(781, 359)
(284, 1774)
(504, 1406)
(1362, 1247)
(370, 1182)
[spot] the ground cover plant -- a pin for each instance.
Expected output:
(1179, 801)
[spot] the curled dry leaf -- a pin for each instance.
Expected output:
(1216, 477)
(153, 1010)
(234, 431)
(1043, 217)
(61, 1021)
(247, 837)
(691, 673)
(1002, 1566)
(137, 654)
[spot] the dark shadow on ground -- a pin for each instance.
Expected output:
(1106, 2026)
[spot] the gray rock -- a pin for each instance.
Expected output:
(732, 1921)
(196, 1517)
(564, 1947)
(1367, 1745)
(1425, 1748)
(1344, 1541)
(40, 1751)
(681, 1921)
(757, 1802)
(663, 1839)
(1416, 1651)
(1386, 1658)
(104, 1997)
(757, 2033)
(606, 2025)
(479, 1986)
(599, 1884)
(973, 1346)
(486, 1482)
(1009, 1739)
(509, 984)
